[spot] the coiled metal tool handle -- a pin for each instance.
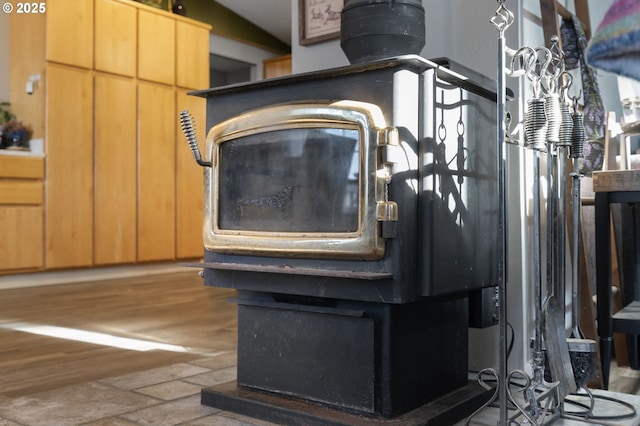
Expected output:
(566, 125)
(535, 125)
(578, 136)
(188, 128)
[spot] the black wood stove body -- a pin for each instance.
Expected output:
(353, 209)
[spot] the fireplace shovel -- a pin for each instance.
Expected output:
(557, 348)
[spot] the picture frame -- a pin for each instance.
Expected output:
(319, 20)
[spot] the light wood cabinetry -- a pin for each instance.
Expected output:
(156, 172)
(69, 172)
(69, 27)
(21, 167)
(20, 192)
(21, 180)
(192, 56)
(26, 51)
(120, 186)
(115, 37)
(189, 182)
(21, 243)
(156, 47)
(21, 214)
(277, 67)
(115, 171)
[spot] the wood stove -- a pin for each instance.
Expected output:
(354, 210)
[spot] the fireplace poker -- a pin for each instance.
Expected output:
(556, 158)
(535, 132)
(578, 137)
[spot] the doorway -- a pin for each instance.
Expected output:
(224, 71)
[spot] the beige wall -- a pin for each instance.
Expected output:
(4, 57)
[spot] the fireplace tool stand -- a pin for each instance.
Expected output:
(549, 129)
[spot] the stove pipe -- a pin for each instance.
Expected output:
(377, 29)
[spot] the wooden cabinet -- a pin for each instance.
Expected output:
(69, 29)
(21, 243)
(189, 181)
(21, 214)
(115, 37)
(115, 190)
(277, 67)
(192, 56)
(26, 57)
(156, 47)
(115, 171)
(21, 180)
(156, 172)
(69, 172)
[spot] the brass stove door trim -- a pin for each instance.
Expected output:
(366, 242)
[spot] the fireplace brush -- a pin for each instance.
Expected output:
(583, 351)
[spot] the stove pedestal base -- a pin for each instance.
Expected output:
(444, 411)
(381, 360)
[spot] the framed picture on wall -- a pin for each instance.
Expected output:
(319, 20)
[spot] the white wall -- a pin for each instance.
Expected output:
(457, 29)
(241, 52)
(314, 57)
(461, 31)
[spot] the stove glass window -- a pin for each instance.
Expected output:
(292, 180)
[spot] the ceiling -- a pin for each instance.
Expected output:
(273, 16)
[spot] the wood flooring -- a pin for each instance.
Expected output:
(173, 309)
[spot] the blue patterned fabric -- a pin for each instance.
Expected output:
(574, 44)
(615, 46)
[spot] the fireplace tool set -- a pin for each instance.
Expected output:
(561, 365)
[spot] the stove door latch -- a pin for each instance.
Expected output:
(387, 211)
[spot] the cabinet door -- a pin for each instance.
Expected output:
(277, 67)
(21, 243)
(116, 36)
(115, 170)
(69, 171)
(192, 56)
(189, 181)
(26, 36)
(156, 172)
(69, 27)
(156, 47)
(21, 216)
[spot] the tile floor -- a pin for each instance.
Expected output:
(171, 396)
(163, 396)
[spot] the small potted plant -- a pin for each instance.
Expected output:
(16, 135)
(5, 115)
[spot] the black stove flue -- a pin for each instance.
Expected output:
(377, 29)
